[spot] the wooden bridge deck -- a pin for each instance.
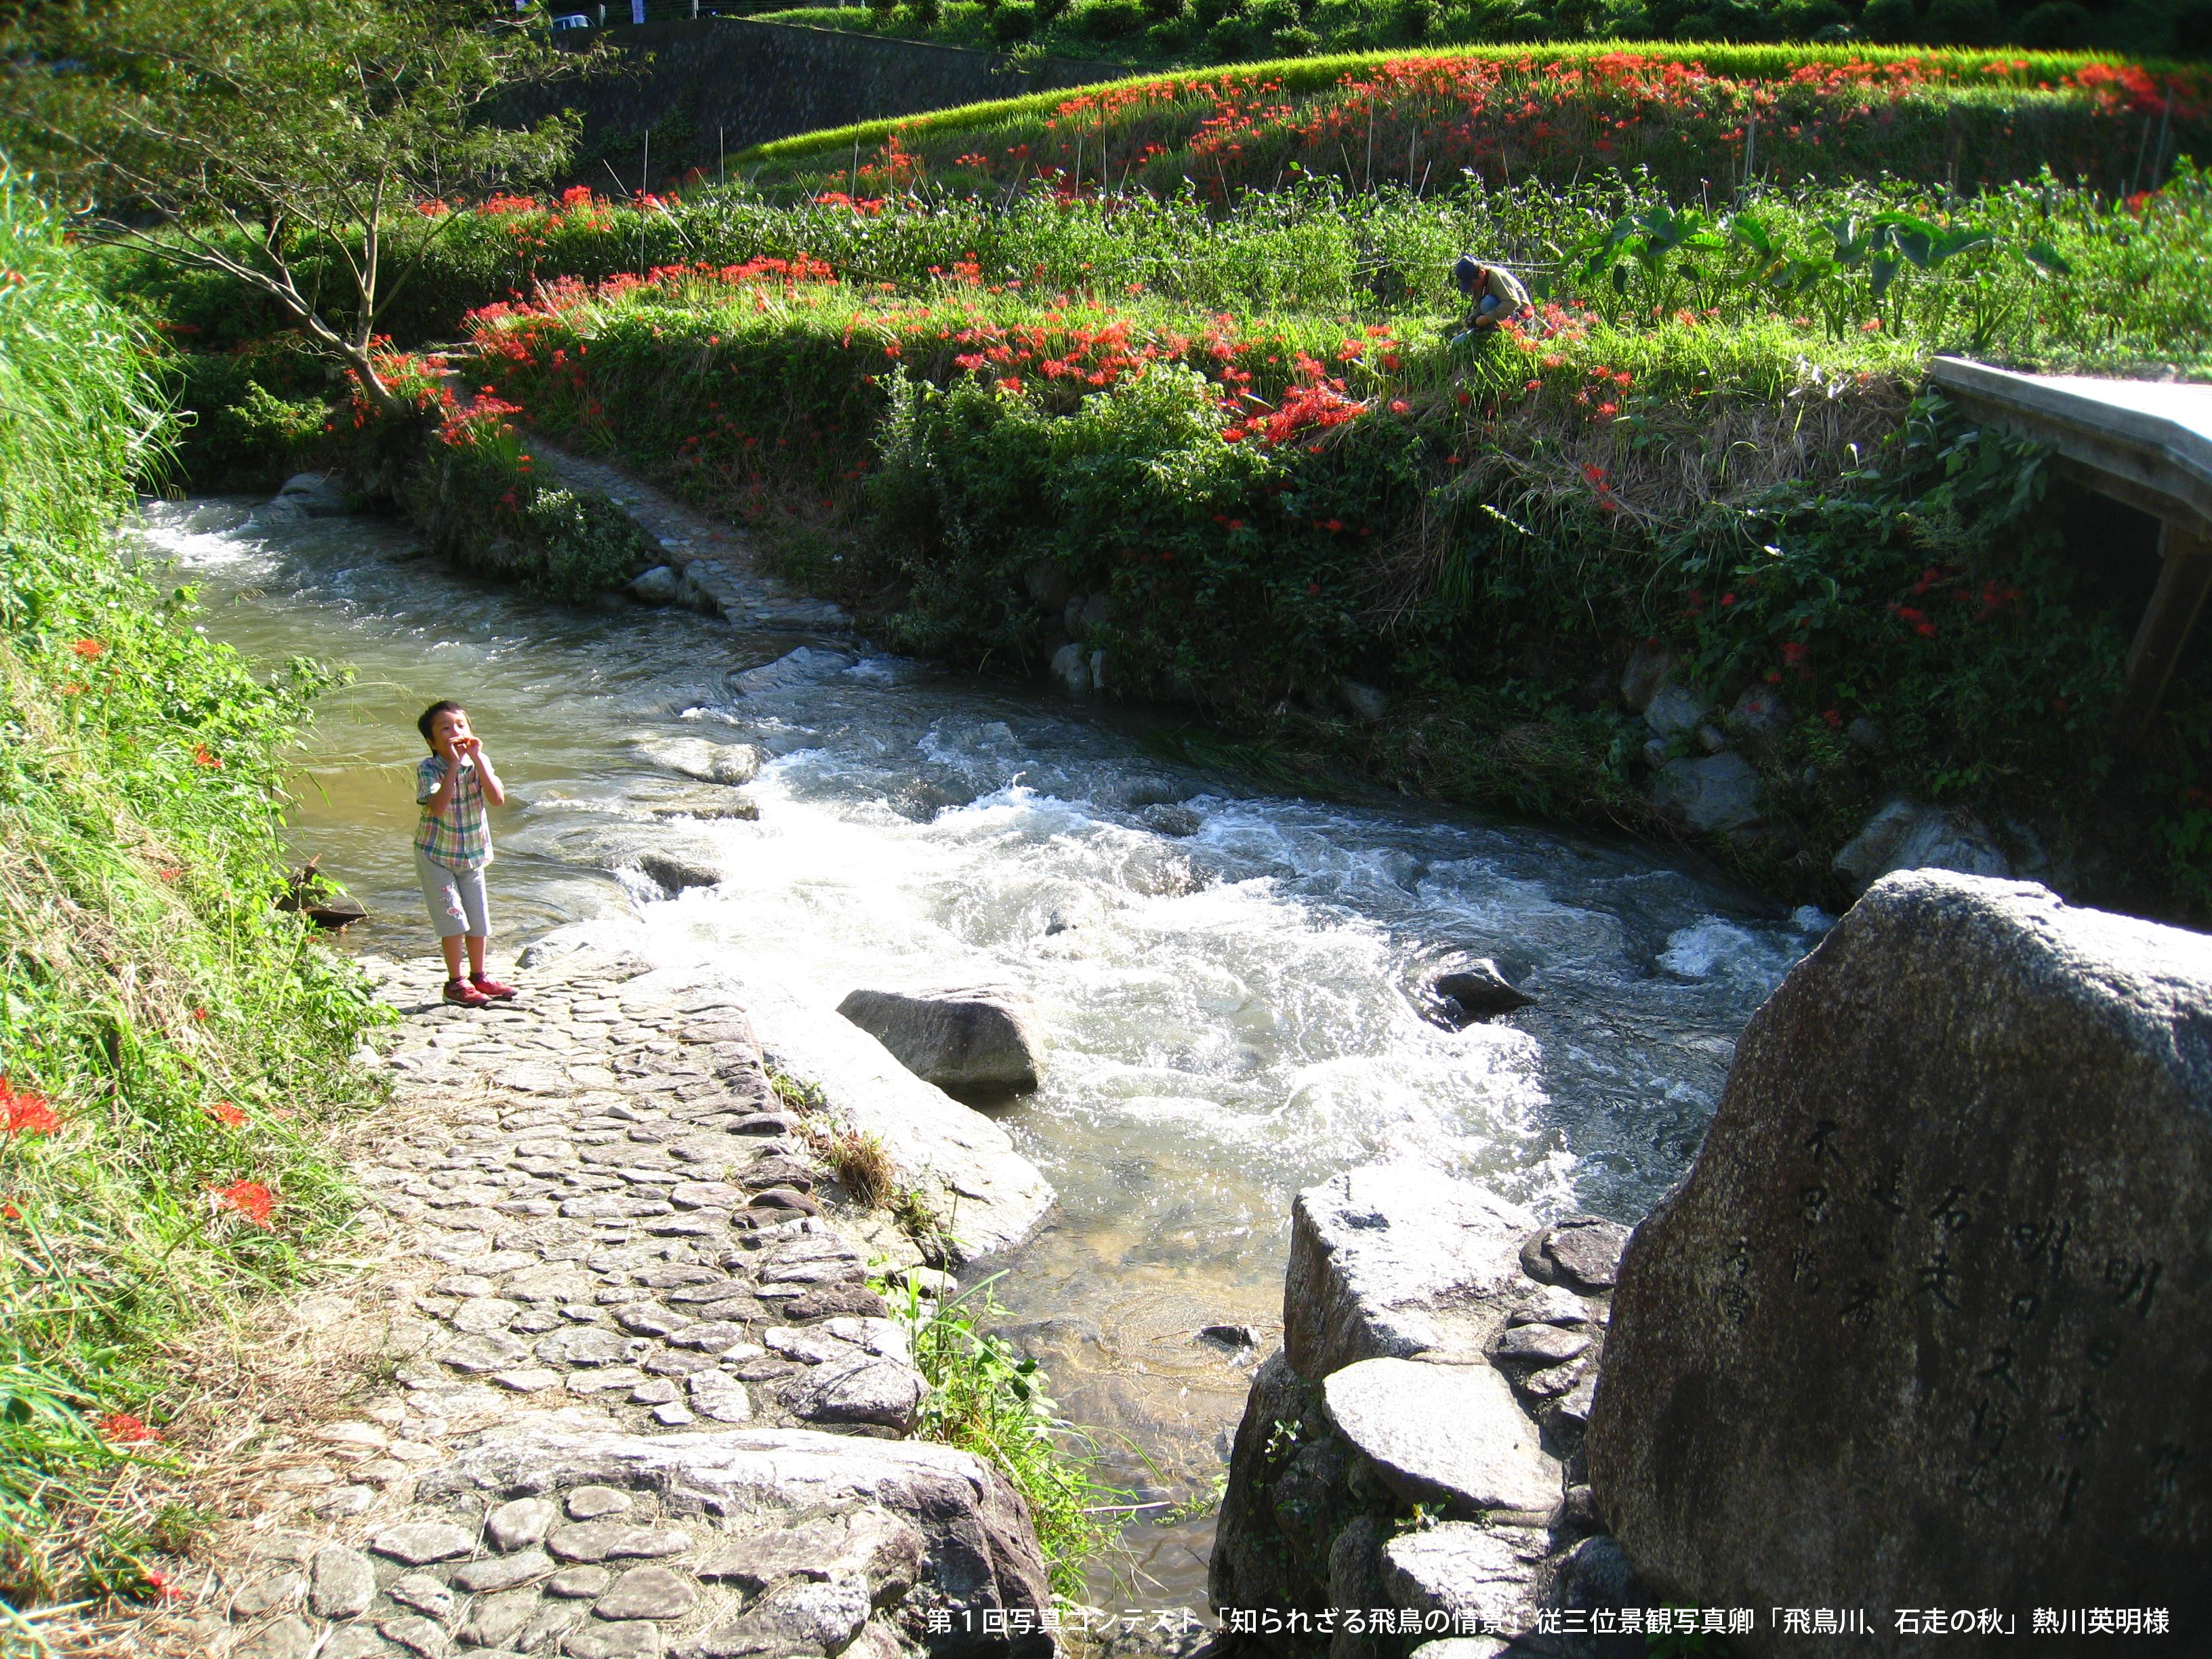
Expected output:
(2148, 443)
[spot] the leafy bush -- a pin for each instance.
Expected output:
(587, 544)
(255, 412)
(480, 499)
(1107, 19)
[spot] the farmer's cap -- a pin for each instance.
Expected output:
(1467, 272)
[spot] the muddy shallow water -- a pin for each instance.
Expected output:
(1229, 981)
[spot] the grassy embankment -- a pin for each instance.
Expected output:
(1178, 33)
(173, 1051)
(1002, 366)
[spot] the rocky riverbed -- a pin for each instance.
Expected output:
(623, 1387)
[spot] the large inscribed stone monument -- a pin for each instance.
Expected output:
(1928, 1324)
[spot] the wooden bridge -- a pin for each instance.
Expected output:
(2148, 443)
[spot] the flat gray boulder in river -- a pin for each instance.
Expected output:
(981, 1039)
(988, 1195)
(1930, 1323)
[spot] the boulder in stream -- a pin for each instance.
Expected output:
(1929, 1322)
(662, 585)
(1477, 990)
(702, 758)
(318, 494)
(1071, 667)
(1406, 1448)
(1906, 834)
(986, 1196)
(804, 666)
(981, 1040)
(671, 855)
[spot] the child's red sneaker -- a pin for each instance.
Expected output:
(493, 990)
(460, 991)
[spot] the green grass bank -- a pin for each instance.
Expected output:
(1179, 33)
(174, 1050)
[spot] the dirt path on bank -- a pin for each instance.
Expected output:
(718, 562)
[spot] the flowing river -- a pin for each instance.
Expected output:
(1230, 981)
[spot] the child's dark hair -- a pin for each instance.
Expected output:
(430, 717)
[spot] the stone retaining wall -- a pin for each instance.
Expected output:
(721, 84)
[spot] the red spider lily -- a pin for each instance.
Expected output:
(89, 648)
(249, 1199)
(23, 1113)
(122, 1429)
(227, 1114)
(204, 756)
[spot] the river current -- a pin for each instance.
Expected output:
(1229, 981)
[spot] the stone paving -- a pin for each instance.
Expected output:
(642, 1400)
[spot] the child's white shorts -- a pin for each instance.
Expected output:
(455, 897)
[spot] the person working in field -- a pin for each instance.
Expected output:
(1497, 293)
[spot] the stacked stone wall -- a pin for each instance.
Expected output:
(716, 86)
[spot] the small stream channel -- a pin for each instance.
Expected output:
(1229, 981)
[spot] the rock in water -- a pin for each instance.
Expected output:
(981, 1040)
(1393, 1261)
(320, 494)
(1071, 668)
(662, 585)
(1384, 1411)
(1478, 990)
(1930, 1323)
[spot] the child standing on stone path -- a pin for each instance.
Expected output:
(453, 844)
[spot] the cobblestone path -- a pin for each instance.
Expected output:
(641, 1399)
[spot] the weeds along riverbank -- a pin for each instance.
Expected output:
(174, 1051)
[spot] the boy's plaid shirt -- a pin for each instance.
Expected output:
(461, 838)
